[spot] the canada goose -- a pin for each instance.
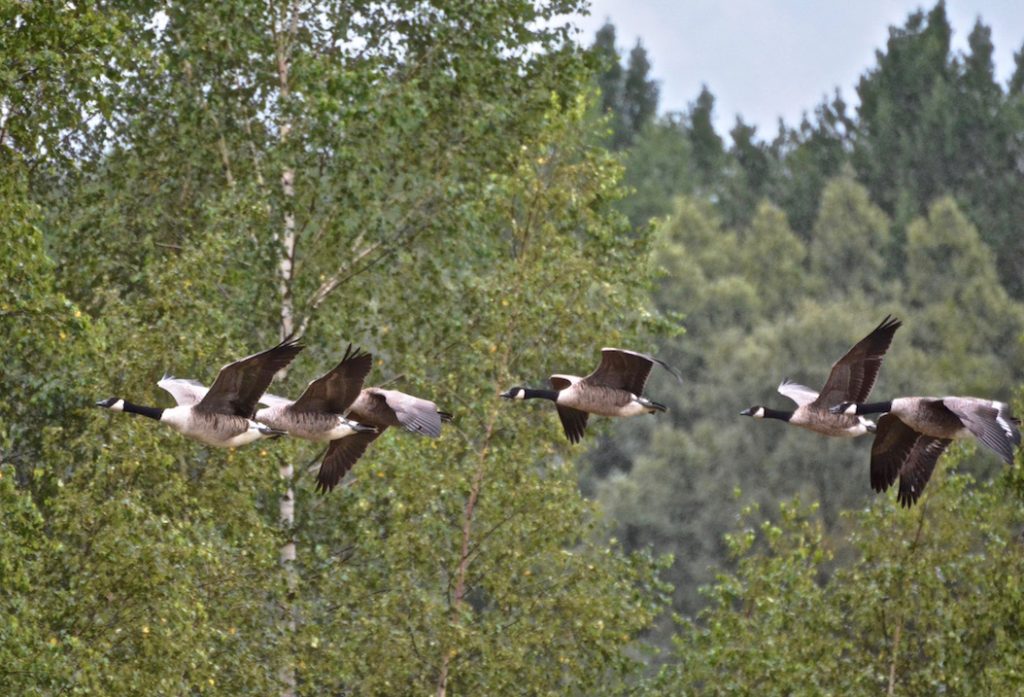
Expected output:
(317, 414)
(916, 430)
(850, 380)
(221, 415)
(375, 409)
(614, 389)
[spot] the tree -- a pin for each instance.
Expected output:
(851, 239)
(325, 184)
(609, 73)
(658, 167)
(933, 607)
(639, 95)
(708, 151)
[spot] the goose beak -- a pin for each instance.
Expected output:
(271, 432)
(506, 395)
(363, 428)
(747, 412)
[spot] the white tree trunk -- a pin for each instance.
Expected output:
(286, 270)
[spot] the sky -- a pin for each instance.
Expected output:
(766, 59)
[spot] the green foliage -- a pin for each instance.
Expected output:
(851, 239)
(927, 603)
(60, 67)
(449, 209)
(658, 167)
(629, 98)
(781, 254)
(756, 296)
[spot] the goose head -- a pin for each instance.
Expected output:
(514, 393)
(756, 412)
(112, 403)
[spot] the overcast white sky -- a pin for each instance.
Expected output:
(770, 58)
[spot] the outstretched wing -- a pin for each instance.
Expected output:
(853, 375)
(341, 455)
(415, 414)
(334, 391)
(239, 385)
(574, 422)
(801, 394)
(900, 451)
(626, 370)
(185, 392)
(990, 422)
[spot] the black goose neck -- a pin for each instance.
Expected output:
(778, 414)
(151, 412)
(529, 393)
(875, 407)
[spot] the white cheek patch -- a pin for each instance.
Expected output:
(117, 406)
(520, 394)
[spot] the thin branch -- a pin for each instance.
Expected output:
(225, 159)
(464, 557)
(899, 627)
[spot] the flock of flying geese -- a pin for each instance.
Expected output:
(336, 409)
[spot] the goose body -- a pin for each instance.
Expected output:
(850, 379)
(614, 389)
(382, 408)
(915, 431)
(362, 414)
(221, 415)
(318, 414)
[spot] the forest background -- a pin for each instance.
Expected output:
(463, 191)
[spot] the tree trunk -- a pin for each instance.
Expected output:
(286, 268)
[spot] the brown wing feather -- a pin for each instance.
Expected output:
(893, 443)
(574, 422)
(853, 375)
(919, 467)
(901, 451)
(623, 370)
(334, 391)
(239, 385)
(341, 455)
(559, 383)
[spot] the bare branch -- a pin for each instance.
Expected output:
(225, 159)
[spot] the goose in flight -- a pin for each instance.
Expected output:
(614, 389)
(369, 411)
(850, 380)
(317, 414)
(221, 416)
(915, 431)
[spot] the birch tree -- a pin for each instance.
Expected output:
(420, 180)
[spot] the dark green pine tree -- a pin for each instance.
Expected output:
(1016, 86)
(609, 74)
(807, 157)
(905, 104)
(708, 151)
(748, 182)
(639, 97)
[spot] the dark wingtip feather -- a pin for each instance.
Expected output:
(445, 416)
